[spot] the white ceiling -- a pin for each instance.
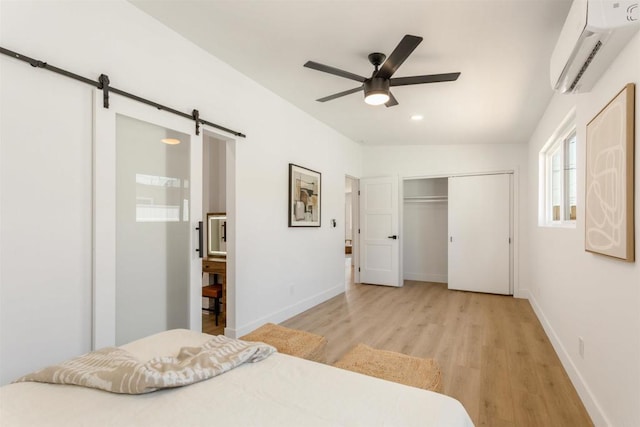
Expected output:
(502, 49)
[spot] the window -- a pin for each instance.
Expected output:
(558, 177)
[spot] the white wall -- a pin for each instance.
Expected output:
(580, 294)
(45, 216)
(443, 160)
(291, 269)
(46, 189)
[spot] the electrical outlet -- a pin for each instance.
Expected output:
(292, 289)
(581, 347)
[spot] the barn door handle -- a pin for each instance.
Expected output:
(200, 238)
(394, 237)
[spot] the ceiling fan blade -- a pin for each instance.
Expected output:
(416, 80)
(398, 56)
(334, 71)
(392, 101)
(340, 94)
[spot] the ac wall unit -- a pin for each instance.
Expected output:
(593, 34)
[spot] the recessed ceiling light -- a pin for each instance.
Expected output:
(417, 117)
(171, 141)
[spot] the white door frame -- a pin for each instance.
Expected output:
(230, 202)
(356, 231)
(104, 213)
(355, 222)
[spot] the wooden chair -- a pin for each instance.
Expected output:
(213, 292)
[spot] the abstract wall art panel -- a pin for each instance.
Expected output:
(609, 227)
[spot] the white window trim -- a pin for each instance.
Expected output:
(556, 141)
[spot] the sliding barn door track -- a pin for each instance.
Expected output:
(103, 84)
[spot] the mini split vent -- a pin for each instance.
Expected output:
(585, 66)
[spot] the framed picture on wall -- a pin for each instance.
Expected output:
(304, 197)
(609, 227)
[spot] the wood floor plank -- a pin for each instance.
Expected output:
(496, 398)
(562, 399)
(469, 349)
(463, 384)
(530, 409)
(494, 355)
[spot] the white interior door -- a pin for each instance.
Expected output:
(379, 247)
(479, 233)
(148, 202)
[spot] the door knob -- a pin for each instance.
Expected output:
(394, 237)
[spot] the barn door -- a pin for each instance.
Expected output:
(148, 203)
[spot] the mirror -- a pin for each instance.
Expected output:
(217, 234)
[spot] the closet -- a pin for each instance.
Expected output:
(457, 230)
(424, 249)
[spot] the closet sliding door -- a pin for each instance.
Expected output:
(479, 233)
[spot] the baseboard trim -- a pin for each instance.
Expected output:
(523, 294)
(422, 277)
(591, 404)
(287, 312)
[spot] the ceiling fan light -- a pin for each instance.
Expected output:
(376, 91)
(376, 98)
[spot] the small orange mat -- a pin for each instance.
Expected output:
(392, 366)
(291, 341)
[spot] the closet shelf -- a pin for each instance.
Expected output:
(425, 199)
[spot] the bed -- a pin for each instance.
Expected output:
(280, 390)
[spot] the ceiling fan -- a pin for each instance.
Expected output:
(376, 87)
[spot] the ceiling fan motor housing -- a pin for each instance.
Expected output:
(376, 85)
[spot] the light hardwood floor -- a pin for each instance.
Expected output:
(209, 325)
(494, 355)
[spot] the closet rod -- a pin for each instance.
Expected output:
(103, 84)
(425, 200)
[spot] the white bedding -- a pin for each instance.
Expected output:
(278, 391)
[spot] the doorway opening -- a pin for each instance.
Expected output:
(215, 231)
(351, 229)
(425, 220)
